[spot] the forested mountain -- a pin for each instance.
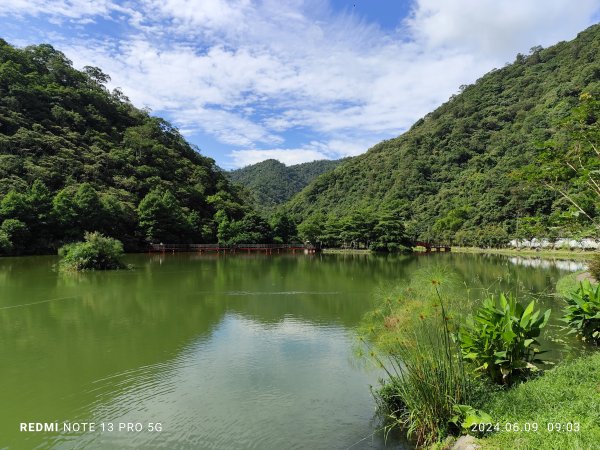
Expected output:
(75, 157)
(467, 171)
(513, 155)
(272, 183)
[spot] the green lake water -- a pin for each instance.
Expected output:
(224, 352)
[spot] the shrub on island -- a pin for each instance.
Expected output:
(97, 252)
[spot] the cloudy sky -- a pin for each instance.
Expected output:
(295, 80)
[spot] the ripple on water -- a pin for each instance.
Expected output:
(249, 386)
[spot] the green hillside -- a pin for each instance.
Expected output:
(466, 171)
(75, 157)
(272, 183)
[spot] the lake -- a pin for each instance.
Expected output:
(207, 351)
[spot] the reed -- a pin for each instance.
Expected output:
(426, 380)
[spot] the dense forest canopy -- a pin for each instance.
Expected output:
(75, 157)
(272, 183)
(466, 172)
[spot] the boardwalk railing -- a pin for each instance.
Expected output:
(268, 248)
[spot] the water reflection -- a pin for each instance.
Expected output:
(562, 264)
(235, 351)
(242, 387)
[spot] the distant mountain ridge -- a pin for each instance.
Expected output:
(272, 183)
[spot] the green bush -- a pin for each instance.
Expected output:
(501, 338)
(583, 311)
(16, 232)
(594, 267)
(98, 252)
(5, 243)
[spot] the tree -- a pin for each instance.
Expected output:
(446, 227)
(390, 233)
(251, 229)
(5, 243)
(311, 229)
(15, 205)
(357, 229)
(89, 208)
(529, 228)
(65, 214)
(493, 236)
(17, 234)
(570, 163)
(332, 231)
(161, 218)
(284, 228)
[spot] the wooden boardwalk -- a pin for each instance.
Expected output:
(268, 249)
(432, 246)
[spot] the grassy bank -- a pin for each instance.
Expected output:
(433, 387)
(346, 251)
(570, 282)
(568, 394)
(546, 253)
(569, 254)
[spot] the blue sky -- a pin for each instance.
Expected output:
(295, 80)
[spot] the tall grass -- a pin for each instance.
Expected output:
(426, 380)
(431, 390)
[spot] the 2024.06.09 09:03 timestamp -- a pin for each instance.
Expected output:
(526, 427)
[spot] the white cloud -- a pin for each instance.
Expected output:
(200, 16)
(288, 156)
(499, 29)
(251, 73)
(70, 9)
(312, 151)
(227, 127)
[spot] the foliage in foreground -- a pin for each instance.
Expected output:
(428, 391)
(500, 339)
(426, 382)
(97, 252)
(431, 389)
(566, 394)
(582, 312)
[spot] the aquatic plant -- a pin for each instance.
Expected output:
(582, 312)
(500, 339)
(97, 252)
(426, 380)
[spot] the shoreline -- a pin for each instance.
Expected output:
(546, 253)
(347, 251)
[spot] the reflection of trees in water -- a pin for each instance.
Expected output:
(318, 288)
(109, 323)
(112, 322)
